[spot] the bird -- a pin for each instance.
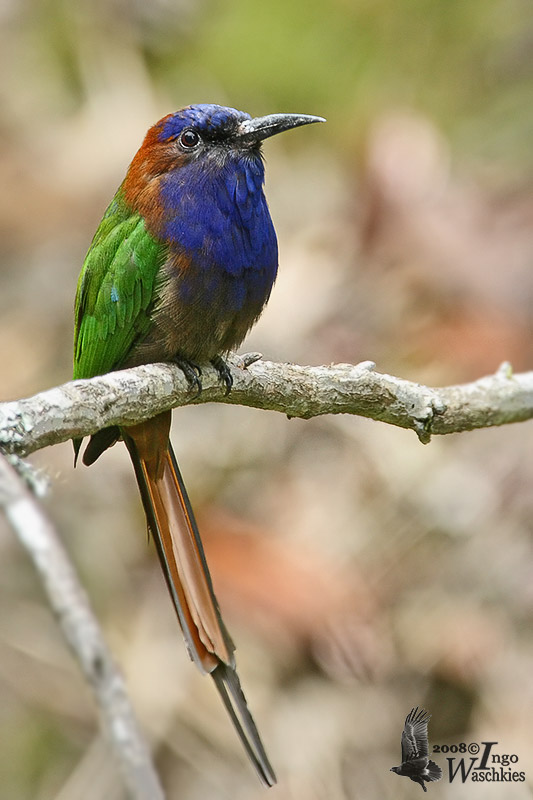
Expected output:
(415, 748)
(179, 269)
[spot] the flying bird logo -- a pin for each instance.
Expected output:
(415, 760)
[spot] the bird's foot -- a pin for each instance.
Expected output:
(192, 372)
(224, 372)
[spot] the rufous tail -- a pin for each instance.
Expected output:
(173, 526)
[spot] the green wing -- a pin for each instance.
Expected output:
(115, 291)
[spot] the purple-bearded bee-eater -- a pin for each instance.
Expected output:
(180, 268)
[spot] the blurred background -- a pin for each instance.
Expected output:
(360, 572)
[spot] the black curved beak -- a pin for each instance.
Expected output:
(255, 130)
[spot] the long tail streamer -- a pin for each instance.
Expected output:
(175, 533)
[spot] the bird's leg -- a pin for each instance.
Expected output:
(192, 372)
(224, 372)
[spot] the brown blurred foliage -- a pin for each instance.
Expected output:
(360, 573)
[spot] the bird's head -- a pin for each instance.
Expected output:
(207, 138)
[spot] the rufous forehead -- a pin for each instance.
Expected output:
(203, 117)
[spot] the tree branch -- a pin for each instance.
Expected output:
(80, 628)
(80, 408)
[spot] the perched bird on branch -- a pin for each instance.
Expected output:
(415, 748)
(179, 269)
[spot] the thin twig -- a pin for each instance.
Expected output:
(80, 408)
(71, 606)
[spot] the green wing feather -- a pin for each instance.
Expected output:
(115, 291)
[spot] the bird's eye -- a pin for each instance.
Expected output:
(189, 139)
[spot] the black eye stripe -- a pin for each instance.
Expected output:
(189, 138)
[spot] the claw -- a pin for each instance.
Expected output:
(223, 371)
(192, 374)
